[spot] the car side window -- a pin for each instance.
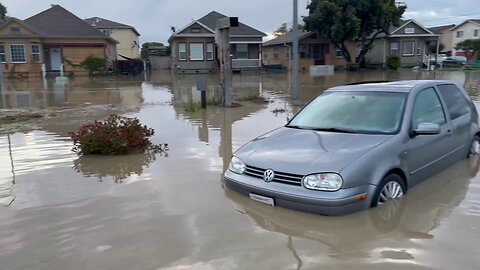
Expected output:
(456, 102)
(427, 108)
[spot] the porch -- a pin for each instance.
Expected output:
(246, 55)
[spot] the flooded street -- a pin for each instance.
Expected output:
(172, 211)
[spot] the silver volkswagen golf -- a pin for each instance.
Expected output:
(358, 146)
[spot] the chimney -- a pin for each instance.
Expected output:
(98, 20)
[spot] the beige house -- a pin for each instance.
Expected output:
(410, 42)
(126, 35)
(52, 40)
(446, 37)
(313, 50)
(469, 29)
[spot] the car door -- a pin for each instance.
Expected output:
(425, 153)
(459, 119)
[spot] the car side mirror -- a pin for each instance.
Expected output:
(427, 129)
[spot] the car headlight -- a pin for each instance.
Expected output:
(237, 165)
(323, 181)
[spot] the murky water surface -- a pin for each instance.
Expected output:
(172, 211)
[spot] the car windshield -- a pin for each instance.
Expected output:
(353, 112)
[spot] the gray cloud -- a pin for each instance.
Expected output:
(153, 18)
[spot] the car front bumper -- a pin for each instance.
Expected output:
(342, 202)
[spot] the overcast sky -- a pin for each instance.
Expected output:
(153, 18)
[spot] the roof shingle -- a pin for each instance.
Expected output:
(101, 23)
(59, 22)
(211, 18)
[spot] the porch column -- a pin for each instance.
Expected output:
(384, 53)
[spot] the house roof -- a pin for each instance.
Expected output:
(394, 29)
(210, 20)
(22, 23)
(101, 23)
(439, 29)
(476, 21)
(57, 22)
(286, 38)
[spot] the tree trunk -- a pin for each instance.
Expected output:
(346, 53)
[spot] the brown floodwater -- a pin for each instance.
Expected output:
(172, 211)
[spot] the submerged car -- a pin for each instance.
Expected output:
(358, 146)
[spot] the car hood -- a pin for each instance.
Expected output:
(307, 151)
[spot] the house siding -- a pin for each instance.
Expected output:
(328, 49)
(417, 29)
(188, 65)
(446, 39)
(126, 46)
(376, 55)
(468, 29)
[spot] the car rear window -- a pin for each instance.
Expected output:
(457, 104)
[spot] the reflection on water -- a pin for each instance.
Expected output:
(183, 218)
(118, 168)
(26, 94)
(414, 217)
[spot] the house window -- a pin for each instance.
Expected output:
(408, 48)
(265, 56)
(182, 51)
(36, 53)
(196, 51)
(107, 32)
(394, 48)
(303, 51)
(459, 34)
(419, 49)
(476, 32)
(209, 51)
(17, 53)
(287, 55)
(242, 51)
(275, 53)
(409, 30)
(2, 53)
(338, 53)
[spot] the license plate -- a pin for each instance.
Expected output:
(262, 199)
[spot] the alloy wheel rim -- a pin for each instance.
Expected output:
(475, 147)
(392, 190)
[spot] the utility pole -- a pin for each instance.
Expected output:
(295, 84)
(223, 26)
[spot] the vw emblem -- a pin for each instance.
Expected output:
(268, 176)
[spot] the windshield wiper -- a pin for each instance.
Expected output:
(334, 130)
(297, 127)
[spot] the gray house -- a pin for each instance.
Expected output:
(410, 41)
(194, 49)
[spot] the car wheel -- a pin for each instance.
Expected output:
(392, 187)
(475, 147)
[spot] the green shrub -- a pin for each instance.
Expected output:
(393, 62)
(116, 135)
(352, 66)
(93, 64)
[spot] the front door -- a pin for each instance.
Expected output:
(55, 58)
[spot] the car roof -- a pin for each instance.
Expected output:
(395, 86)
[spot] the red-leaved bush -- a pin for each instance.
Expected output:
(117, 135)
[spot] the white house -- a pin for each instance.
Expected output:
(469, 29)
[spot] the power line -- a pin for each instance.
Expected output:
(451, 17)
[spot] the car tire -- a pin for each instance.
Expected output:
(474, 147)
(388, 189)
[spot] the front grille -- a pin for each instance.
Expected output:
(280, 177)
